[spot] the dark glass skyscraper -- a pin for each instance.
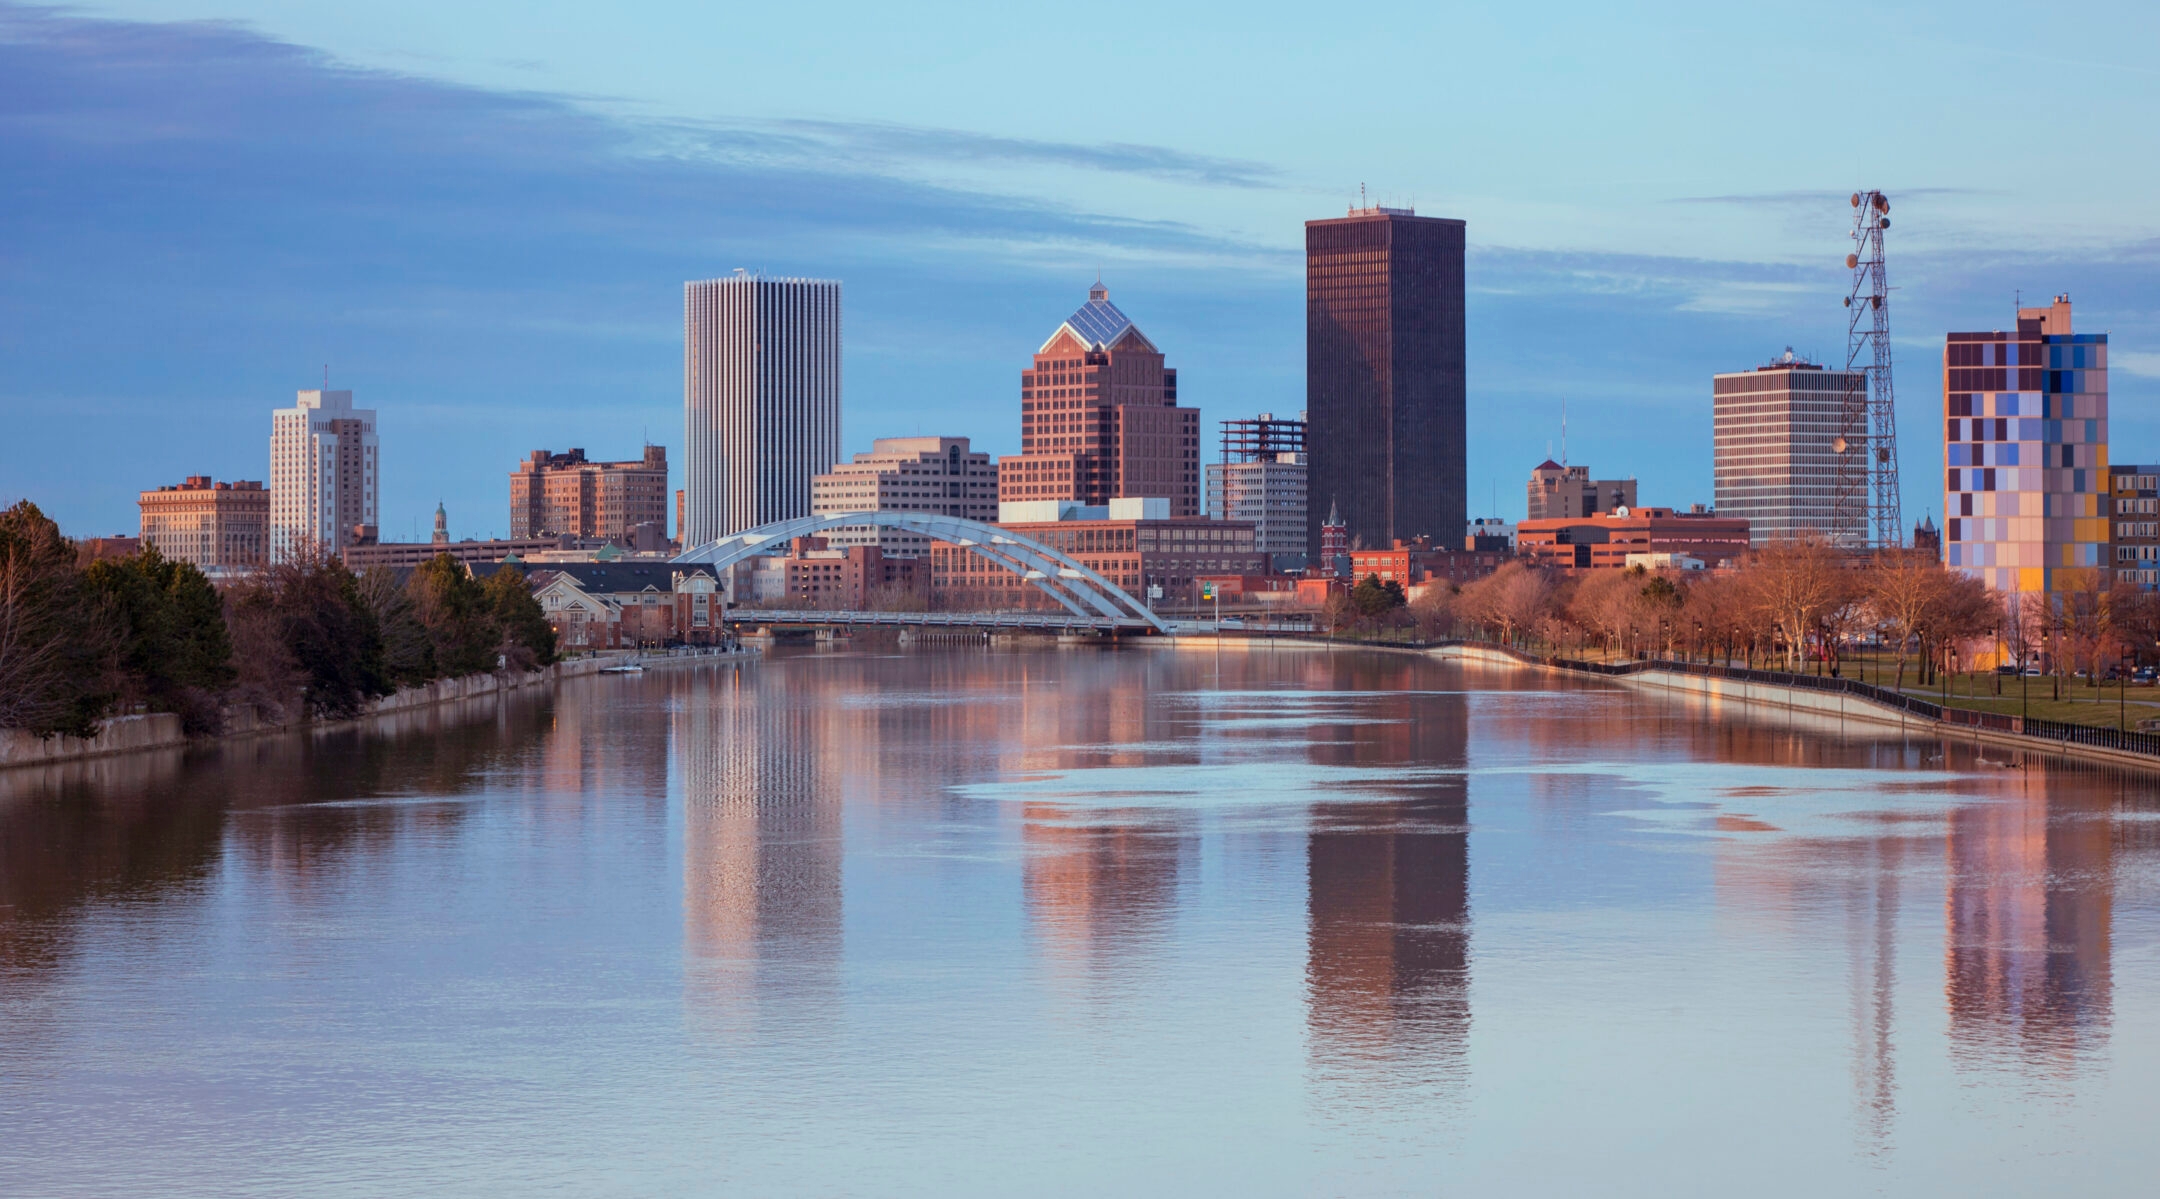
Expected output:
(1384, 387)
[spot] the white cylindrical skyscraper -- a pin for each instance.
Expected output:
(761, 400)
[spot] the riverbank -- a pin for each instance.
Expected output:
(161, 730)
(1799, 695)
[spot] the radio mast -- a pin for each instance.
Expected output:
(1868, 505)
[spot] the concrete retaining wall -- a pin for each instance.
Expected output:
(161, 730)
(121, 734)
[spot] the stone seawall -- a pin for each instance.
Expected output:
(161, 730)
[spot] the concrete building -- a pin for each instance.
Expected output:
(761, 400)
(1261, 481)
(1099, 418)
(1605, 540)
(403, 555)
(1557, 492)
(1138, 544)
(216, 526)
(2025, 447)
(1384, 375)
(1775, 448)
(565, 493)
(2134, 522)
(906, 474)
(324, 474)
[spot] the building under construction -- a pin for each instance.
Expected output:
(1262, 479)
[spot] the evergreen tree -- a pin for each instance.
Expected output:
(524, 627)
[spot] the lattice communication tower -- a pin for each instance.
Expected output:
(1868, 505)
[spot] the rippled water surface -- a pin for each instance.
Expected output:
(1082, 922)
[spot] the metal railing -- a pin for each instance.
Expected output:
(2028, 726)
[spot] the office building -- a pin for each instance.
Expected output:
(2134, 522)
(1099, 418)
(323, 474)
(1141, 545)
(761, 400)
(1557, 492)
(2025, 451)
(1261, 481)
(1776, 434)
(1606, 540)
(906, 474)
(565, 493)
(216, 526)
(1384, 384)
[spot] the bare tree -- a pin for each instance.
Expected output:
(1793, 581)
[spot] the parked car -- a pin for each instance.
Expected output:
(2144, 676)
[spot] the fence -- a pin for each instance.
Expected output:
(2028, 726)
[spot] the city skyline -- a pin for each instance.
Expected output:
(541, 331)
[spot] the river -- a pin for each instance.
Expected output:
(973, 921)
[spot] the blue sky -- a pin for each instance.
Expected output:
(480, 214)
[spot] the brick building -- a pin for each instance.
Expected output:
(814, 573)
(568, 494)
(1099, 418)
(1420, 561)
(1136, 544)
(1605, 540)
(1563, 492)
(213, 525)
(2134, 524)
(647, 603)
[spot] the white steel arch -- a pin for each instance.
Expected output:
(1079, 589)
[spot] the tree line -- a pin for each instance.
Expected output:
(308, 637)
(1795, 605)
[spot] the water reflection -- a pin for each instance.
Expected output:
(1252, 871)
(1388, 966)
(761, 844)
(2026, 950)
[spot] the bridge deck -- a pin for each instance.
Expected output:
(1035, 621)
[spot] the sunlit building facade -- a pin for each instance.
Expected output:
(1775, 432)
(761, 400)
(2025, 449)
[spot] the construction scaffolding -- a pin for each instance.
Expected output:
(1264, 439)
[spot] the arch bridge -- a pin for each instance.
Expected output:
(1089, 599)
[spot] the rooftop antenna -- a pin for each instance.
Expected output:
(1563, 433)
(1868, 512)
(326, 376)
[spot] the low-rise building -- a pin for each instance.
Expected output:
(813, 573)
(1419, 561)
(216, 526)
(1135, 543)
(652, 603)
(1605, 540)
(404, 555)
(581, 619)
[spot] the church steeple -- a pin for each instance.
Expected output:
(442, 525)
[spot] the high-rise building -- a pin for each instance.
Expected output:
(761, 400)
(1384, 382)
(1261, 480)
(1775, 449)
(565, 493)
(1099, 419)
(2025, 450)
(213, 525)
(2134, 521)
(1558, 492)
(323, 474)
(906, 474)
